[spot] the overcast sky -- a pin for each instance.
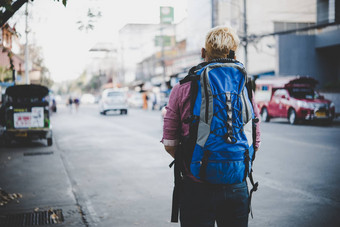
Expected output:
(65, 48)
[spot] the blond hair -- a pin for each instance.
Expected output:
(219, 41)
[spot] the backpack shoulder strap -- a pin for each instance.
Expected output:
(192, 78)
(192, 73)
(182, 153)
(249, 86)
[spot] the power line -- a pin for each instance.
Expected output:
(252, 38)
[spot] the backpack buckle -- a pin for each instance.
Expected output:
(229, 138)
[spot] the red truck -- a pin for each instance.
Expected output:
(292, 97)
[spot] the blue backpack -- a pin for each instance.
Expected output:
(219, 148)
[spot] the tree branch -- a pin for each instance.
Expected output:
(4, 17)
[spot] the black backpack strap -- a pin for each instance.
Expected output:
(250, 175)
(178, 179)
(183, 152)
(193, 120)
(246, 164)
(249, 86)
(188, 78)
(176, 190)
(204, 165)
(179, 172)
(192, 78)
(254, 189)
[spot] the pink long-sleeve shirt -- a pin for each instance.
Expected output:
(178, 109)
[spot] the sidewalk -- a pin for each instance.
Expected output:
(37, 172)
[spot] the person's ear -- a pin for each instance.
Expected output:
(203, 53)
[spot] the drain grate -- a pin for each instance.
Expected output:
(38, 153)
(32, 219)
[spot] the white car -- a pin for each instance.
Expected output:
(113, 100)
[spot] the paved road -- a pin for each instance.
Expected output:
(118, 173)
(117, 165)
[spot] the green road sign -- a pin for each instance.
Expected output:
(167, 14)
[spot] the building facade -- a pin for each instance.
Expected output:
(11, 64)
(138, 43)
(315, 53)
(104, 63)
(269, 49)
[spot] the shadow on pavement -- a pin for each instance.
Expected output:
(24, 144)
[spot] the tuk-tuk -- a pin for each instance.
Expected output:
(25, 113)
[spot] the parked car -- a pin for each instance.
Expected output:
(113, 100)
(25, 113)
(292, 97)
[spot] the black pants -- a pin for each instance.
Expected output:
(202, 205)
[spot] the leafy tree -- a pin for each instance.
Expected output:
(5, 74)
(35, 55)
(94, 84)
(92, 15)
(45, 78)
(9, 7)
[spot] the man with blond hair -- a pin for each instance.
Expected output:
(209, 130)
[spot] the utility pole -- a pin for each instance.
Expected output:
(245, 33)
(162, 54)
(26, 45)
(213, 13)
(166, 17)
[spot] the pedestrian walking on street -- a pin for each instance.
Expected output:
(76, 103)
(211, 129)
(145, 100)
(69, 103)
